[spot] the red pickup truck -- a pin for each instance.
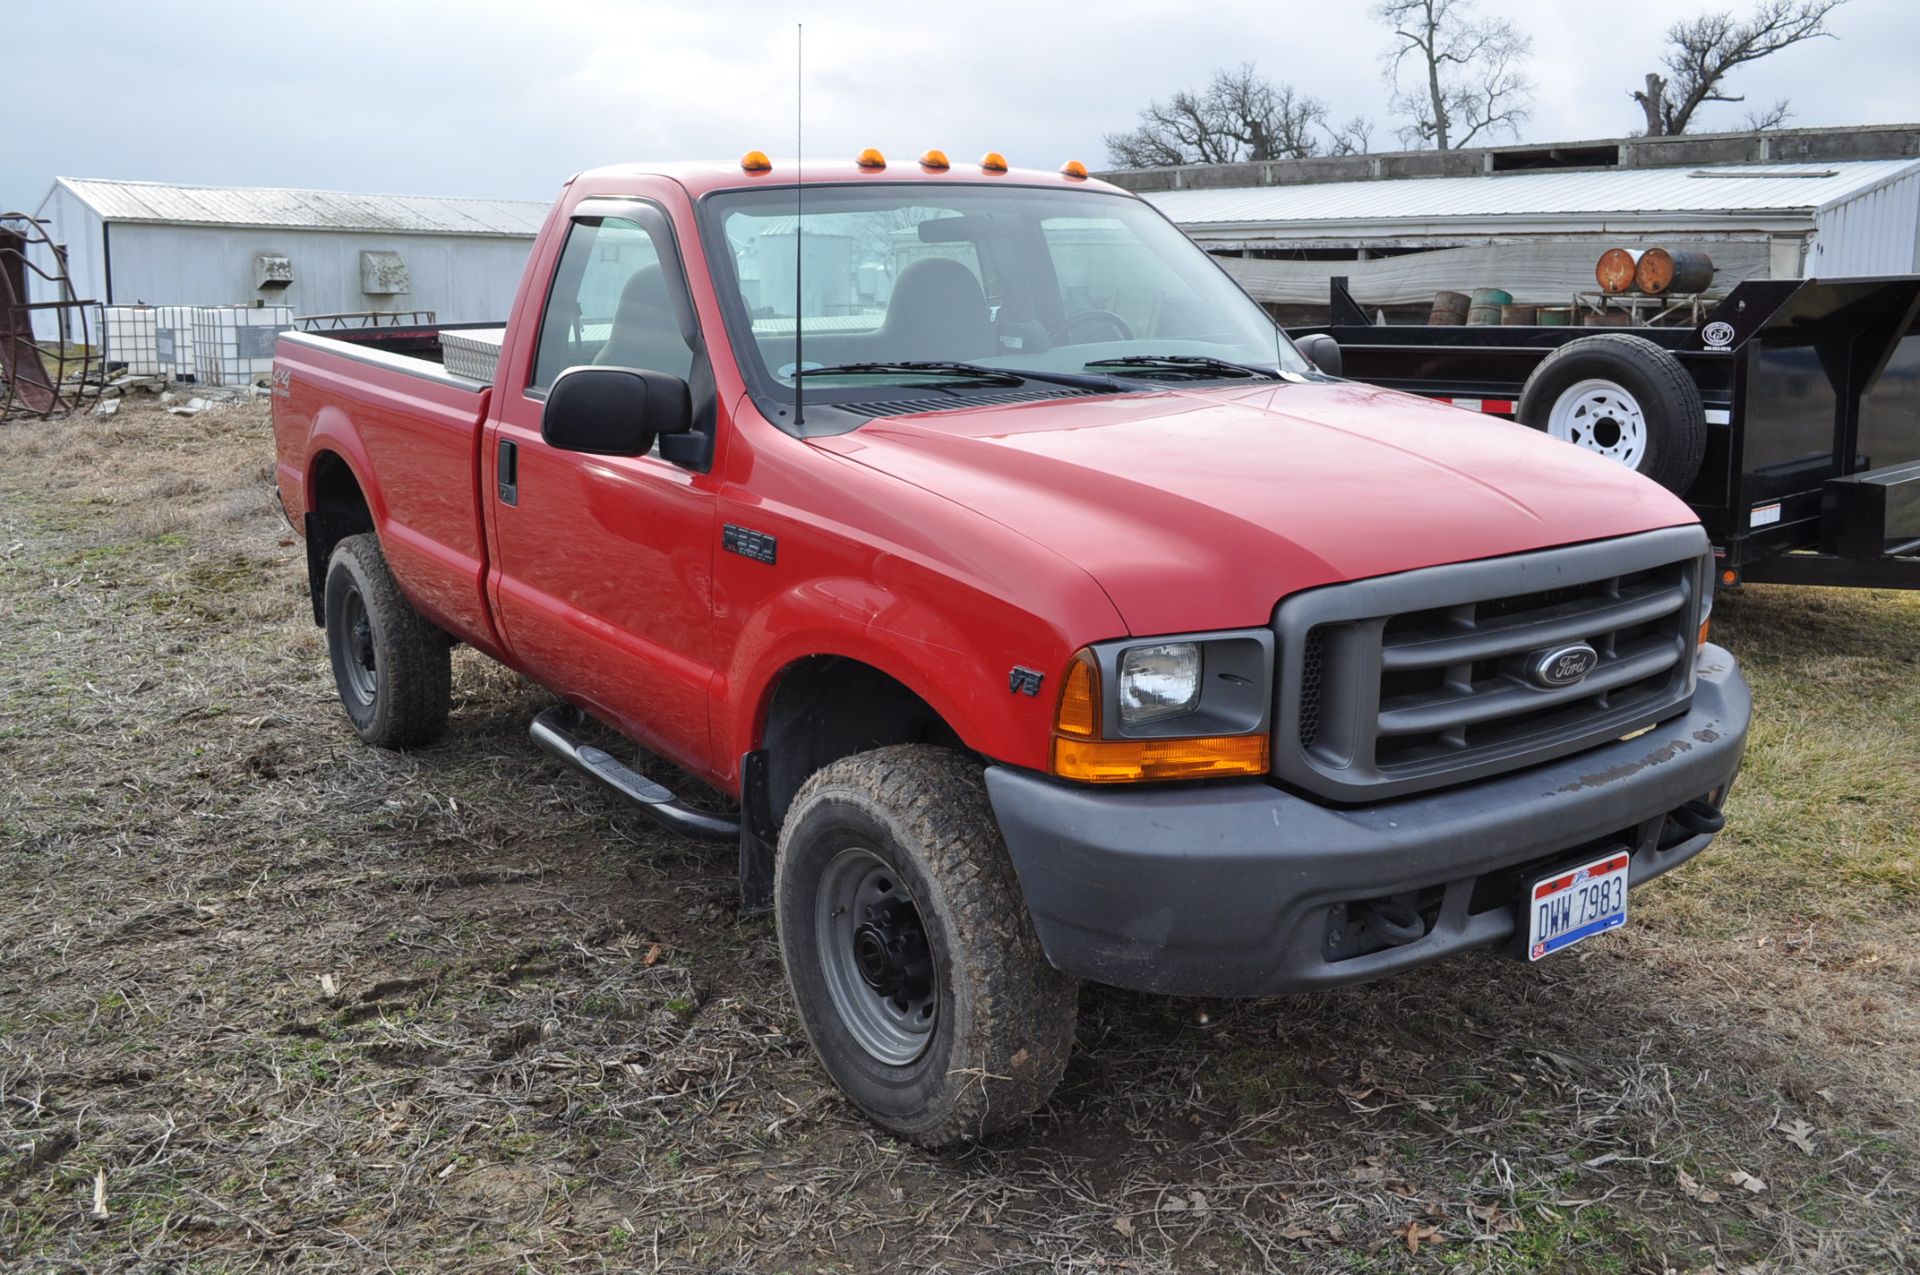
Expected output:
(1049, 613)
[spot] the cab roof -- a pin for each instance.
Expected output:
(701, 177)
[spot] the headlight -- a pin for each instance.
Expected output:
(1198, 707)
(1157, 682)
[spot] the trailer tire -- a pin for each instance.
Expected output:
(1625, 398)
(911, 957)
(392, 666)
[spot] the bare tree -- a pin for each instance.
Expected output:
(1703, 51)
(1240, 115)
(1355, 137)
(1457, 75)
(1760, 120)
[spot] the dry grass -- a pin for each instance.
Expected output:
(284, 1000)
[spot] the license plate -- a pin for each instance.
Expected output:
(1577, 904)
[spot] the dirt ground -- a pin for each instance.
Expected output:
(270, 998)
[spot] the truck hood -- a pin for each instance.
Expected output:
(1200, 509)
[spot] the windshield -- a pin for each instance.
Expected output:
(1020, 279)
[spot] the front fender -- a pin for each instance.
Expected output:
(957, 658)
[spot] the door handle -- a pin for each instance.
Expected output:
(509, 473)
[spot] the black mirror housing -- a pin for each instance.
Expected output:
(614, 411)
(1322, 351)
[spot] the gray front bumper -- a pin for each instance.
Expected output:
(1241, 888)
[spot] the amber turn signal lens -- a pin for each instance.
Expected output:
(934, 159)
(1079, 711)
(1704, 626)
(1122, 761)
(993, 162)
(756, 162)
(1074, 168)
(871, 158)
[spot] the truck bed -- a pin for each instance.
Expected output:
(423, 346)
(383, 401)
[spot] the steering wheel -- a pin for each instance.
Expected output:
(1108, 318)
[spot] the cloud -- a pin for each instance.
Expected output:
(489, 97)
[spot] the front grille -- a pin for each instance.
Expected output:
(1310, 690)
(1420, 680)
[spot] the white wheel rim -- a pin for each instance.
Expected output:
(1603, 418)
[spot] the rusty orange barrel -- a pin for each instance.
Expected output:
(1520, 316)
(1614, 270)
(1663, 270)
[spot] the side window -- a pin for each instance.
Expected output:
(610, 304)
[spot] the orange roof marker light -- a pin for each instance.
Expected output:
(993, 162)
(871, 160)
(756, 162)
(935, 160)
(1074, 168)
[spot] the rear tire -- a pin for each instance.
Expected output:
(392, 666)
(1625, 398)
(909, 951)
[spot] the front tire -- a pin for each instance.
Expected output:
(908, 948)
(393, 668)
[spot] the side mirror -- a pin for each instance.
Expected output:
(1322, 351)
(614, 411)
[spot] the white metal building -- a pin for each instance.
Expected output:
(1538, 234)
(318, 251)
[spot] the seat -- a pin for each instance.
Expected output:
(937, 311)
(645, 333)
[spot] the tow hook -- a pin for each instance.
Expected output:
(1697, 818)
(1397, 923)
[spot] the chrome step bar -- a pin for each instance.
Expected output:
(553, 731)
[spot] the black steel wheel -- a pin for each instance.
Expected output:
(392, 667)
(909, 951)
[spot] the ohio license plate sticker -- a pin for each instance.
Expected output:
(1577, 904)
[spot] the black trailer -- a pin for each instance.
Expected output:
(1789, 417)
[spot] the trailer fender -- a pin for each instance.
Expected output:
(1625, 398)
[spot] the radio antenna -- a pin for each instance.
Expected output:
(799, 184)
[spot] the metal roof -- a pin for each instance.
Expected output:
(1764, 192)
(123, 201)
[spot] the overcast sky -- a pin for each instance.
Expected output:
(488, 97)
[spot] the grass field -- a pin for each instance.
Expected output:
(269, 998)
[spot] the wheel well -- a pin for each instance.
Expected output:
(337, 509)
(827, 707)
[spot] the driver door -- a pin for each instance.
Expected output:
(602, 564)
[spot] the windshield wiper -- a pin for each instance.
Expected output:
(1198, 364)
(941, 367)
(977, 372)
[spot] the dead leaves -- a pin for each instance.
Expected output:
(1415, 1233)
(1694, 1190)
(1701, 1193)
(1799, 1133)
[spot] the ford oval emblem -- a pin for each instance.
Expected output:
(1563, 665)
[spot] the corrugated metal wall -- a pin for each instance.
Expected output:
(74, 225)
(1874, 232)
(464, 280)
